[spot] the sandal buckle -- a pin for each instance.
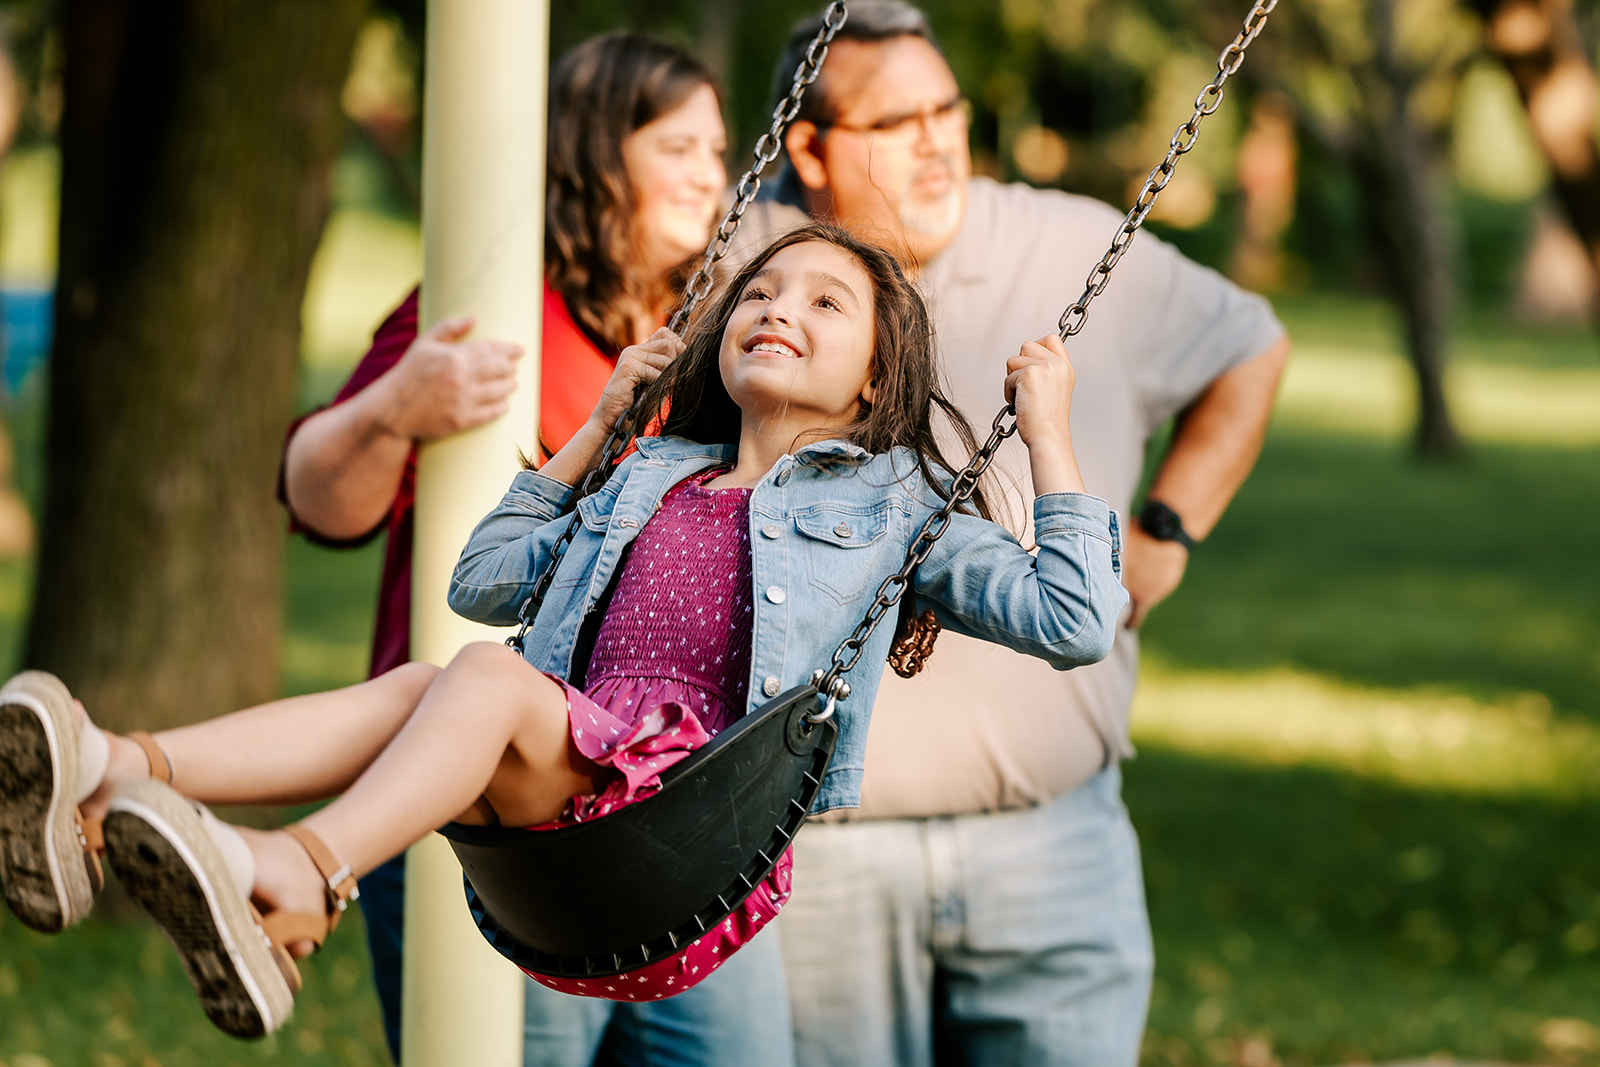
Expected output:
(339, 897)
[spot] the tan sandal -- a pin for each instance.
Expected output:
(193, 875)
(51, 760)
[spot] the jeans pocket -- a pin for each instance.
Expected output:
(840, 545)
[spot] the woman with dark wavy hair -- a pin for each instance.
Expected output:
(634, 177)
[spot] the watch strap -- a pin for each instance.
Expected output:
(1164, 524)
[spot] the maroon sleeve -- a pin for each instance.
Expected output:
(389, 343)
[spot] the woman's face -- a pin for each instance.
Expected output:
(675, 166)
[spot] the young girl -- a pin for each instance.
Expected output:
(731, 554)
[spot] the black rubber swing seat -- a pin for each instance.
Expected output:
(640, 884)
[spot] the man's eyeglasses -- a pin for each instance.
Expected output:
(907, 125)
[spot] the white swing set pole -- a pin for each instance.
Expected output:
(483, 242)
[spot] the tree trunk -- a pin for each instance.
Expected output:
(1395, 163)
(1539, 43)
(197, 141)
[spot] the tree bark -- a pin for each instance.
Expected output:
(197, 141)
(1539, 43)
(1396, 162)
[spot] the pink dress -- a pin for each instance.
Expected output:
(671, 668)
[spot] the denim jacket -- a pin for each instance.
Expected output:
(827, 525)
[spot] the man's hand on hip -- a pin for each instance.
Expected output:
(1151, 570)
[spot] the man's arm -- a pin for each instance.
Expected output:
(1213, 448)
(343, 465)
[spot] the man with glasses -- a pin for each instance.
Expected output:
(985, 904)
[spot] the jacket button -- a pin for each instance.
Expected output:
(627, 522)
(783, 475)
(770, 686)
(775, 594)
(772, 531)
(841, 531)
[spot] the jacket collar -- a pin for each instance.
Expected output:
(672, 448)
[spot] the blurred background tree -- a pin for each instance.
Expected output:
(196, 144)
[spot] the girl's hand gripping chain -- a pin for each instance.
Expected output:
(1039, 382)
(639, 365)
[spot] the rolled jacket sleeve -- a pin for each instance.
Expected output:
(509, 549)
(1061, 605)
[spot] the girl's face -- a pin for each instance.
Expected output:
(799, 346)
(675, 167)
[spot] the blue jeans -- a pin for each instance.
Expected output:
(1012, 938)
(739, 1016)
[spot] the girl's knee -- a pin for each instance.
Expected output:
(414, 677)
(486, 656)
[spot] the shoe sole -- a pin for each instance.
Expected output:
(42, 862)
(165, 859)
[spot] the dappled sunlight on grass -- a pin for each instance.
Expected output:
(1427, 738)
(1369, 722)
(1347, 559)
(1372, 393)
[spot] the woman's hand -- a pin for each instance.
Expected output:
(1039, 382)
(445, 384)
(638, 365)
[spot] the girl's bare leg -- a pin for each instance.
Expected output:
(287, 752)
(488, 726)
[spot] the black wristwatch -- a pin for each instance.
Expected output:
(1162, 523)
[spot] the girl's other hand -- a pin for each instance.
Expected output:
(638, 365)
(1039, 382)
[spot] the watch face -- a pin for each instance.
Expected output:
(1161, 522)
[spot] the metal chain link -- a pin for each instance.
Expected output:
(830, 683)
(1183, 140)
(767, 149)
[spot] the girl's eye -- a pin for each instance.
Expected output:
(755, 294)
(828, 302)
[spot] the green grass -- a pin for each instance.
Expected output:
(1369, 727)
(1369, 723)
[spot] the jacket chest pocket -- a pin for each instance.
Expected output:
(840, 548)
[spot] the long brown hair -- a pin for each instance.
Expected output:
(600, 92)
(904, 372)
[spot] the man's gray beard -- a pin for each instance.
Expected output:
(934, 220)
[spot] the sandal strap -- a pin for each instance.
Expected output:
(341, 880)
(287, 927)
(160, 765)
(92, 833)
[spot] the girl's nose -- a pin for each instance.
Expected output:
(776, 312)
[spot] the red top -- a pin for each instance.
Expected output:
(573, 371)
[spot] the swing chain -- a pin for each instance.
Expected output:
(1183, 140)
(767, 150)
(894, 587)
